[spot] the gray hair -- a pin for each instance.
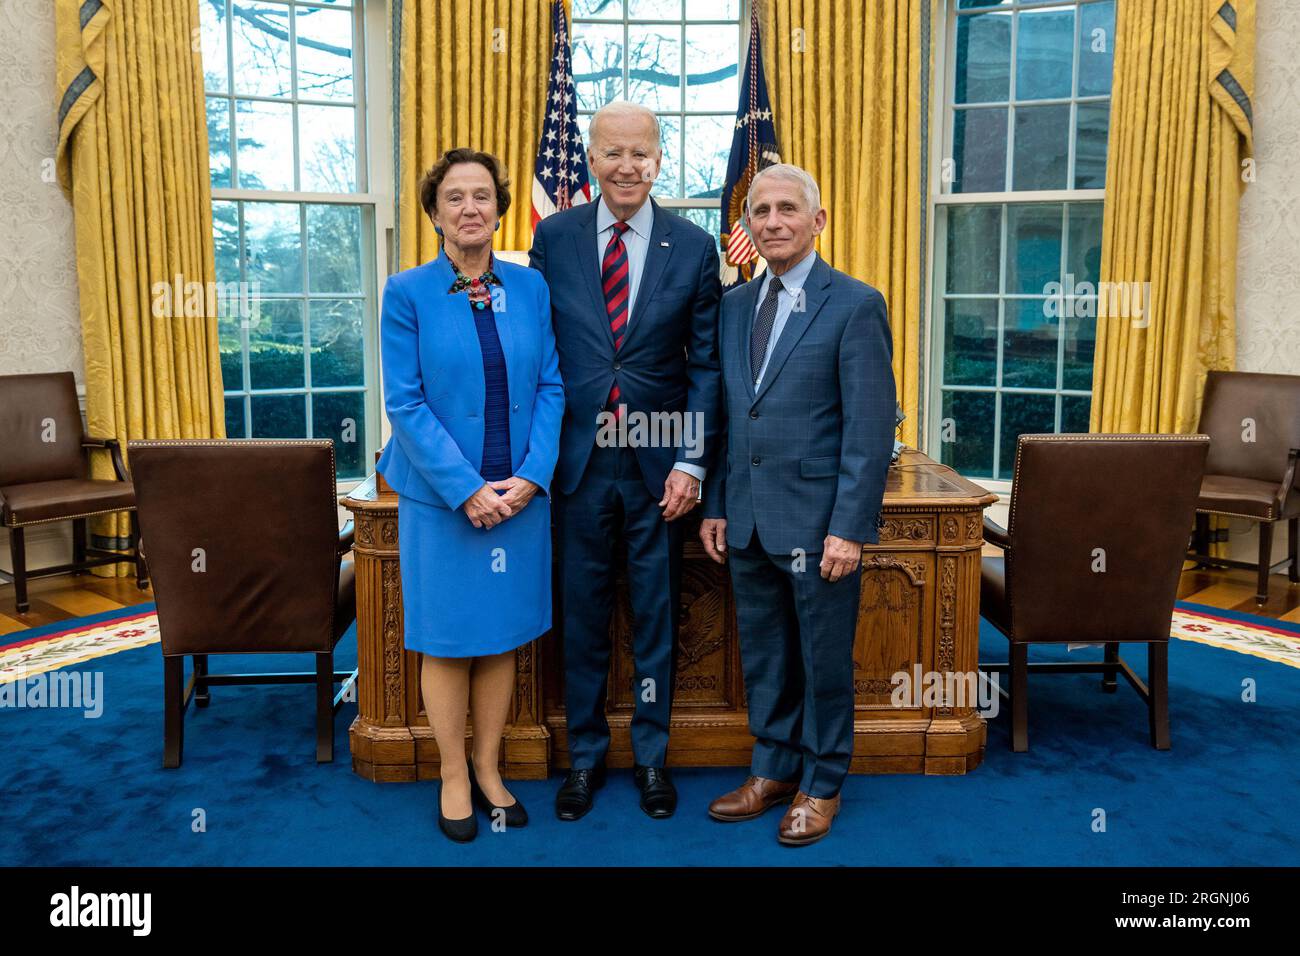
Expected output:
(791, 173)
(623, 108)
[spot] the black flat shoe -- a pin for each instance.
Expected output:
(574, 798)
(462, 831)
(515, 814)
(658, 795)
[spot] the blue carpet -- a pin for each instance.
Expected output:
(83, 791)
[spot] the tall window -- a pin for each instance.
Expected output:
(292, 219)
(1018, 225)
(681, 59)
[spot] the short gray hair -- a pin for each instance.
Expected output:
(791, 173)
(623, 108)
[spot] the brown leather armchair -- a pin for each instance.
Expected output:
(1094, 548)
(44, 477)
(243, 543)
(1253, 421)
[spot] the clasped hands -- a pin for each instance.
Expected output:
(840, 556)
(498, 500)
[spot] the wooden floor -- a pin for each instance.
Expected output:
(59, 598)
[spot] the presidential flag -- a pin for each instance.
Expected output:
(560, 173)
(753, 146)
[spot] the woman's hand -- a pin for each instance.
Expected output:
(518, 492)
(486, 509)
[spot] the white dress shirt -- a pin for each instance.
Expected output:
(792, 283)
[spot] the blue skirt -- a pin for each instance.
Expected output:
(468, 592)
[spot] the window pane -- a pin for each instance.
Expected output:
(983, 58)
(219, 142)
(342, 417)
(970, 342)
(261, 50)
(1023, 415)
(337, 342)
(979, 150)
(1096, 47)
(212, 20)
(654, 9)
(334, 248)
(275, 353)
(654, 58)
(1090, 146)
(598, 64)
(230, 342)
(974, 241)
(1042, 147)
(235, 422)
(327, 145)
(273, 246)
(324, 53)
(279, 416)
(669, 181)
(1044, 45)
(1080, 343)
(967, 442)
(710, 220)
(1033, 247)
(1075, 413)
(712, 9)
(597, 9)
(225, 235)
(712, 69)
(1029, 345)
(265, 134)
(1083, 249)
(708, 147)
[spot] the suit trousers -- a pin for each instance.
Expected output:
(612, 503)
(796, 651)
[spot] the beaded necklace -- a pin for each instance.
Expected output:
(480, 295)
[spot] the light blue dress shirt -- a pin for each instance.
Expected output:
(792, 283)
(636, 240)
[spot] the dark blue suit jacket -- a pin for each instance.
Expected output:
(669, 357)
(807, 454)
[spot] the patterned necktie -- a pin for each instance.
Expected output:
(763, 328)
(614, 279)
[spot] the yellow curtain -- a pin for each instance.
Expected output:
(1180, 131)
(133, 158)
(471, 73)
(846, 84)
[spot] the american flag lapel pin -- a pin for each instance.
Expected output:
(664, 243)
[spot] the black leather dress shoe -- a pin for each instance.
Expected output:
(515, 814)
(462, 831)
(574, 799)
(658, 795)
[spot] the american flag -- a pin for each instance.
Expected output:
(560, 173)
(753, 146)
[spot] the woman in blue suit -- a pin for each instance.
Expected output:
(473, 392)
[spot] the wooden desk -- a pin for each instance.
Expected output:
(920, 605)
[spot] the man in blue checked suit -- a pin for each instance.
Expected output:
(808, 392)
(634, 303)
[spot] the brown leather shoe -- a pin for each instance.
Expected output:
(807, 820)
(751, 799)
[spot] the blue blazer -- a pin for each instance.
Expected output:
(807, 454)
(669, 357)
(433, 382)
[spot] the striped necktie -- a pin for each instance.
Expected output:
(614, 279)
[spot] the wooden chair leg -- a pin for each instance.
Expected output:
(78, 541)
(141, 569)
(1019, 696)
(1292, 540)
(324, 708)
(173, 710)
(1158, 684)
(202, 696)
(1109, 682)
(18, 557)
(1265, 556)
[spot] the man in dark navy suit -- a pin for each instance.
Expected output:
(809, 417)
(634, 302)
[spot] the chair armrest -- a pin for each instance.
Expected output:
(346, 536)
(994, 533)
(114, 448)
(1289, 477)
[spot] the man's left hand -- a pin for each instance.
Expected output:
(680, 493)
(839, 557)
